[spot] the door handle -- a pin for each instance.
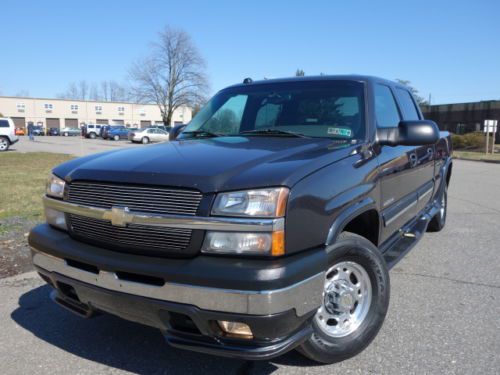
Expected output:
(413, 160)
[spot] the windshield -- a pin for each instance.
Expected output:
(328, 109)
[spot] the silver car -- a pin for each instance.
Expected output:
(148, 135)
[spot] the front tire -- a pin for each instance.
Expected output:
(92, 136)
(145, 140)
(356, 299)
(4, 144)
(116, 137)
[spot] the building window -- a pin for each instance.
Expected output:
(98, 109)
(74, 107)
(142, 112)
(21, 107)
(121, 109)
(48, 107)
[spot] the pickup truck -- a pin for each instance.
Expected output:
(269, 224)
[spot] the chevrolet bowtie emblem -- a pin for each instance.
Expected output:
(119, 216)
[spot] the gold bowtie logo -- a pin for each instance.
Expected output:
(119, 216)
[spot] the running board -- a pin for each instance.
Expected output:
(407, 238)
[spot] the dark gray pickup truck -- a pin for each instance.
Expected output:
(269, 224)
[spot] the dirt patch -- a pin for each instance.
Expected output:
(14, 250)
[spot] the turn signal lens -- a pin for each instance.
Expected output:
(278, 243)
(235, 329)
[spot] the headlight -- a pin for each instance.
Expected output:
(256, 203)
(55, 187)
(260, 243)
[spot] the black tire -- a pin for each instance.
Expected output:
(438, 222)
(66, 134)
(145, 140)
(92, 136)
(4, 144)
(324, 348)
(116, 137)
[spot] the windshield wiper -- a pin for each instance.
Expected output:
(201, 133)
(274, 132)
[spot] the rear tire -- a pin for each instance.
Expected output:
(145, 140)
(92, 136)
(4, 144)
(116, 137)
(356, 299)
(66, 134)
(438, 222)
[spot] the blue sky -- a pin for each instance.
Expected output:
(450, 49)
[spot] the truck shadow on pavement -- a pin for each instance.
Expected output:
(125, 345)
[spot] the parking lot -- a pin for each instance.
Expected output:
(444, 315)
(77, 146)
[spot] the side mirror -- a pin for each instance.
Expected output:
(409, 133)
(175, 131)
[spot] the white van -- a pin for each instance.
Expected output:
(7, 133)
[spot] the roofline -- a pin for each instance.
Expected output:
(478, 102)
(73, 100)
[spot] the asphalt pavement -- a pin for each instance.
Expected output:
(444, 315)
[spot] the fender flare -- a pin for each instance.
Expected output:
(346, 216)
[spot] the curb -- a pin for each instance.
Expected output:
(478, 160)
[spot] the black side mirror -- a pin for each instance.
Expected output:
(175, 131)
(409, 133)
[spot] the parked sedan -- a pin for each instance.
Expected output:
(67, 132)
(119, 132)
(53, 131)
(38, 130)
(148, 135)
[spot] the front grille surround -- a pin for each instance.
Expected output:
(135, 238)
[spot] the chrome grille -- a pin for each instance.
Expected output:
(144, 199)
(132, 236)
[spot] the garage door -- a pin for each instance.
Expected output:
(53, 123)
(102, 121)
(71, 123)
(145, 124)
(119, 122)
(19, 122)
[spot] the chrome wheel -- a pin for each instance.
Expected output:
(4, 144)
(442, 211)
(347, 298)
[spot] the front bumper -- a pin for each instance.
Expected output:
(185, 297)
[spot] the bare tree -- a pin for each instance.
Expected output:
(300, 73)
(420, 100)
(117, 92)
(172, 76)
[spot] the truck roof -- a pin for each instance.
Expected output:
(347, 77)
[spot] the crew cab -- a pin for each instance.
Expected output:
(8, 134)
(270, 223)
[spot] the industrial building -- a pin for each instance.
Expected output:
(60, 113)
(460, 118)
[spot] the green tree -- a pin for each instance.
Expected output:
(300, 73)
(420, 100)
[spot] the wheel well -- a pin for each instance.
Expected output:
(365, 225)
(448, 174)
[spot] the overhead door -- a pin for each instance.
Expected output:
(119, 122)
(71, 123)
(53, 123)
(19, 122)
(145, 124)
(102, 121)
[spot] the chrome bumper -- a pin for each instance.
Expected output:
(303, 297)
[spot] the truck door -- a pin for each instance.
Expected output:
(397, 175)
(424, 162)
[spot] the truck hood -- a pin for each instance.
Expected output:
(210, 165)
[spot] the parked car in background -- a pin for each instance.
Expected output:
(20, 131)
(91, 130)
(103, 133)
(53, 131)
(38, 130)
(7, 133)
(148, 135)
(175, 131)
(68, 132)
(162, 127)
(119, 132)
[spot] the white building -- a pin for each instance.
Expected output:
(60, 113)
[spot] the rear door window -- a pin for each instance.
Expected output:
(386, 109)
(408, 106)
(4, 124)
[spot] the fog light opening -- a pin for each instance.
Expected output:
(235, 329)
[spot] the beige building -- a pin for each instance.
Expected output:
(60, 113)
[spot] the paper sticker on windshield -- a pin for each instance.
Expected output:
(340, 132)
